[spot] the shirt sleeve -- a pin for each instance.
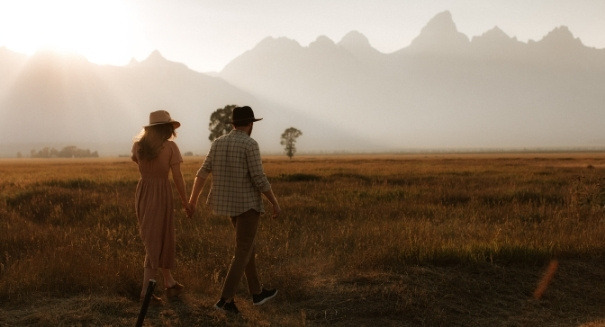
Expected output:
(206, 167)
(175, 157)
(255, 167)
(133, 152)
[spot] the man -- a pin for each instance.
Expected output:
(238, 180)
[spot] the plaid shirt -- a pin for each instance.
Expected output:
(237, 172)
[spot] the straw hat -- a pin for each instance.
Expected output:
(162, 117)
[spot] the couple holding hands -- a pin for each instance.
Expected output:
(238, 181)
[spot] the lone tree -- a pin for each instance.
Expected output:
(288, 139)
(218, 126)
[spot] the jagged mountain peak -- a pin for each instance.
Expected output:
(354, 39)
(495, 37)
(439, 33)
(279, 42)
(441, 23)
(561, 36)
(560, 32)
(358, 44)
(321, 42)
(155, 57)
(496, 33)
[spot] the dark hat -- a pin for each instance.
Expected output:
(243, 116)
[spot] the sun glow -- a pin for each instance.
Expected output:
(102, 31)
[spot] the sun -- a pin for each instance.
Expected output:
(100, 30)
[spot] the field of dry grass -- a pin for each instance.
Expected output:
(391, 240)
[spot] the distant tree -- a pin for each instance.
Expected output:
(70, 151)
(44, 153)
(218, 126)
(288, 140)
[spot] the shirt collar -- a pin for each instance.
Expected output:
(234, 131)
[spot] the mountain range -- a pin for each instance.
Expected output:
(444, 91)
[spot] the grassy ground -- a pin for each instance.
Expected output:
(408, 240)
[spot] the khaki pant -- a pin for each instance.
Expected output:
(243, 261)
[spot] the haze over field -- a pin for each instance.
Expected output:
(445, 90)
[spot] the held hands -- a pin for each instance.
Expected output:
(189, 209)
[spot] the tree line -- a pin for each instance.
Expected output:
(218, 127)
(67, 152)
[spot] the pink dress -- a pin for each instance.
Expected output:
(154, 205)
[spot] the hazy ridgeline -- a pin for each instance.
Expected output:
(398, 240)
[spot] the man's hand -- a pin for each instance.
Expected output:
(271, 197)
(276, 211)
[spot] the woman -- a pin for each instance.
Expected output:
(157, 155)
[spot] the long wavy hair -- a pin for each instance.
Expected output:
(152, 138)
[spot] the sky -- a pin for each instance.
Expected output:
(206, 35)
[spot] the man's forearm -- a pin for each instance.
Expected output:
(271, 197)
(198, 186)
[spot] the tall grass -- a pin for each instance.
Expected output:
(68, 227)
